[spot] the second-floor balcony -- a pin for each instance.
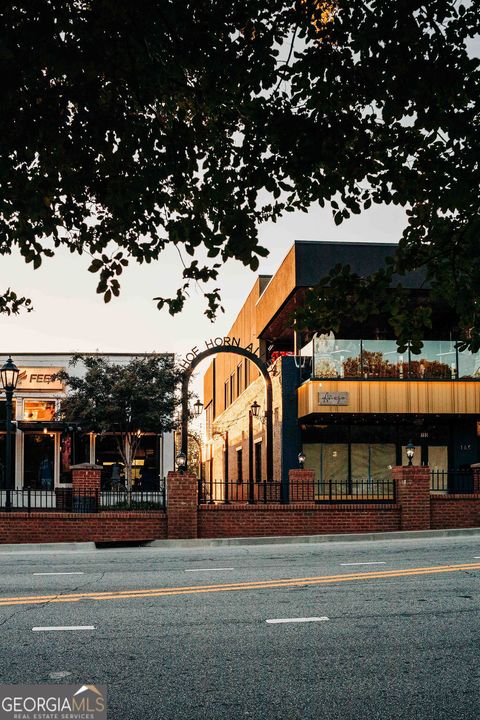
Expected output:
(334, 358)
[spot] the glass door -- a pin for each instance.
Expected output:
(38, 460)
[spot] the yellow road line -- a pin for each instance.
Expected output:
(230, 587)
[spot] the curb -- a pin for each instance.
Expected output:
(268, 540)
(315, 539)
(47, 547)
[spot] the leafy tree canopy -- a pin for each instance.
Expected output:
(139, 396)
(129, 126)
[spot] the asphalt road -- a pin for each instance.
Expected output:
(402, 640)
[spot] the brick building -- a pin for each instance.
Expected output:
(351, 403)
(44, 448)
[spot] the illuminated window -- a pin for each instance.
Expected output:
(39, 410)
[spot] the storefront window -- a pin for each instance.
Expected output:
(38, 463)
(145, 464)
(371, 461)
(39, 410)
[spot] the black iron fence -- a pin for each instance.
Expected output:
(85, 501)
(357, 491)
(453, 481)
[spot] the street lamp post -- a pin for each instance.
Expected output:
(410, 449)
(253, 412)
(9, 375)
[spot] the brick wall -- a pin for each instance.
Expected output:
(182, 494)
(412, 488)
(295, 519)
(41, 527)
(454, 511)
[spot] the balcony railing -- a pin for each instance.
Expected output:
(365, 359)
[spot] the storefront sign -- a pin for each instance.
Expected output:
(39, 378)
(333, 398)
(226, 341)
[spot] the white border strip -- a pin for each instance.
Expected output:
(64, 627)
(281, 621)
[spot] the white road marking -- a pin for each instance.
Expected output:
(279, 621)
(365, 563)
(64, 627)
(208, 569)
(59, 573)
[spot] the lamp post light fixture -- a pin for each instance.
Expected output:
(253, 412)
(410, 449)
(181, 462)
(301, 459)
(9, 376)
(197, 408)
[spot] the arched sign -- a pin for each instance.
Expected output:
(228, 345)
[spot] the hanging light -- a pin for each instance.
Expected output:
(197, 408)
(410, 449)
(9, 374)
(255, 407)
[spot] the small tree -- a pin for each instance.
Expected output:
(127, 400)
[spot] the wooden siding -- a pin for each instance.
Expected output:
(277, 291)
(400, 397)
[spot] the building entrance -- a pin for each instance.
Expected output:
(39, 461)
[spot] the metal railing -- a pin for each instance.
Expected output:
(356, 491)
(85, 501)
(452, 481)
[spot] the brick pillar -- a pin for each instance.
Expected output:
(86, 481)
(412, 487)
(182, 502)
(302, 485)
(476, 477)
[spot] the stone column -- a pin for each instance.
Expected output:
(86, 480)
(182, 502)
(302, 485)
(412, 487)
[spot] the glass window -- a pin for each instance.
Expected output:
(334, 462)
(145, 466)
(239, 379)
(2, 461)
(258, 461)
(39, 410)
(335, 358)
(38, 461)
(380, 358)
(438, 457)
(239, 466)
(469, 364)
(437, 359)
(372, 461)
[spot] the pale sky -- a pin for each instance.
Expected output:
(69, 315)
